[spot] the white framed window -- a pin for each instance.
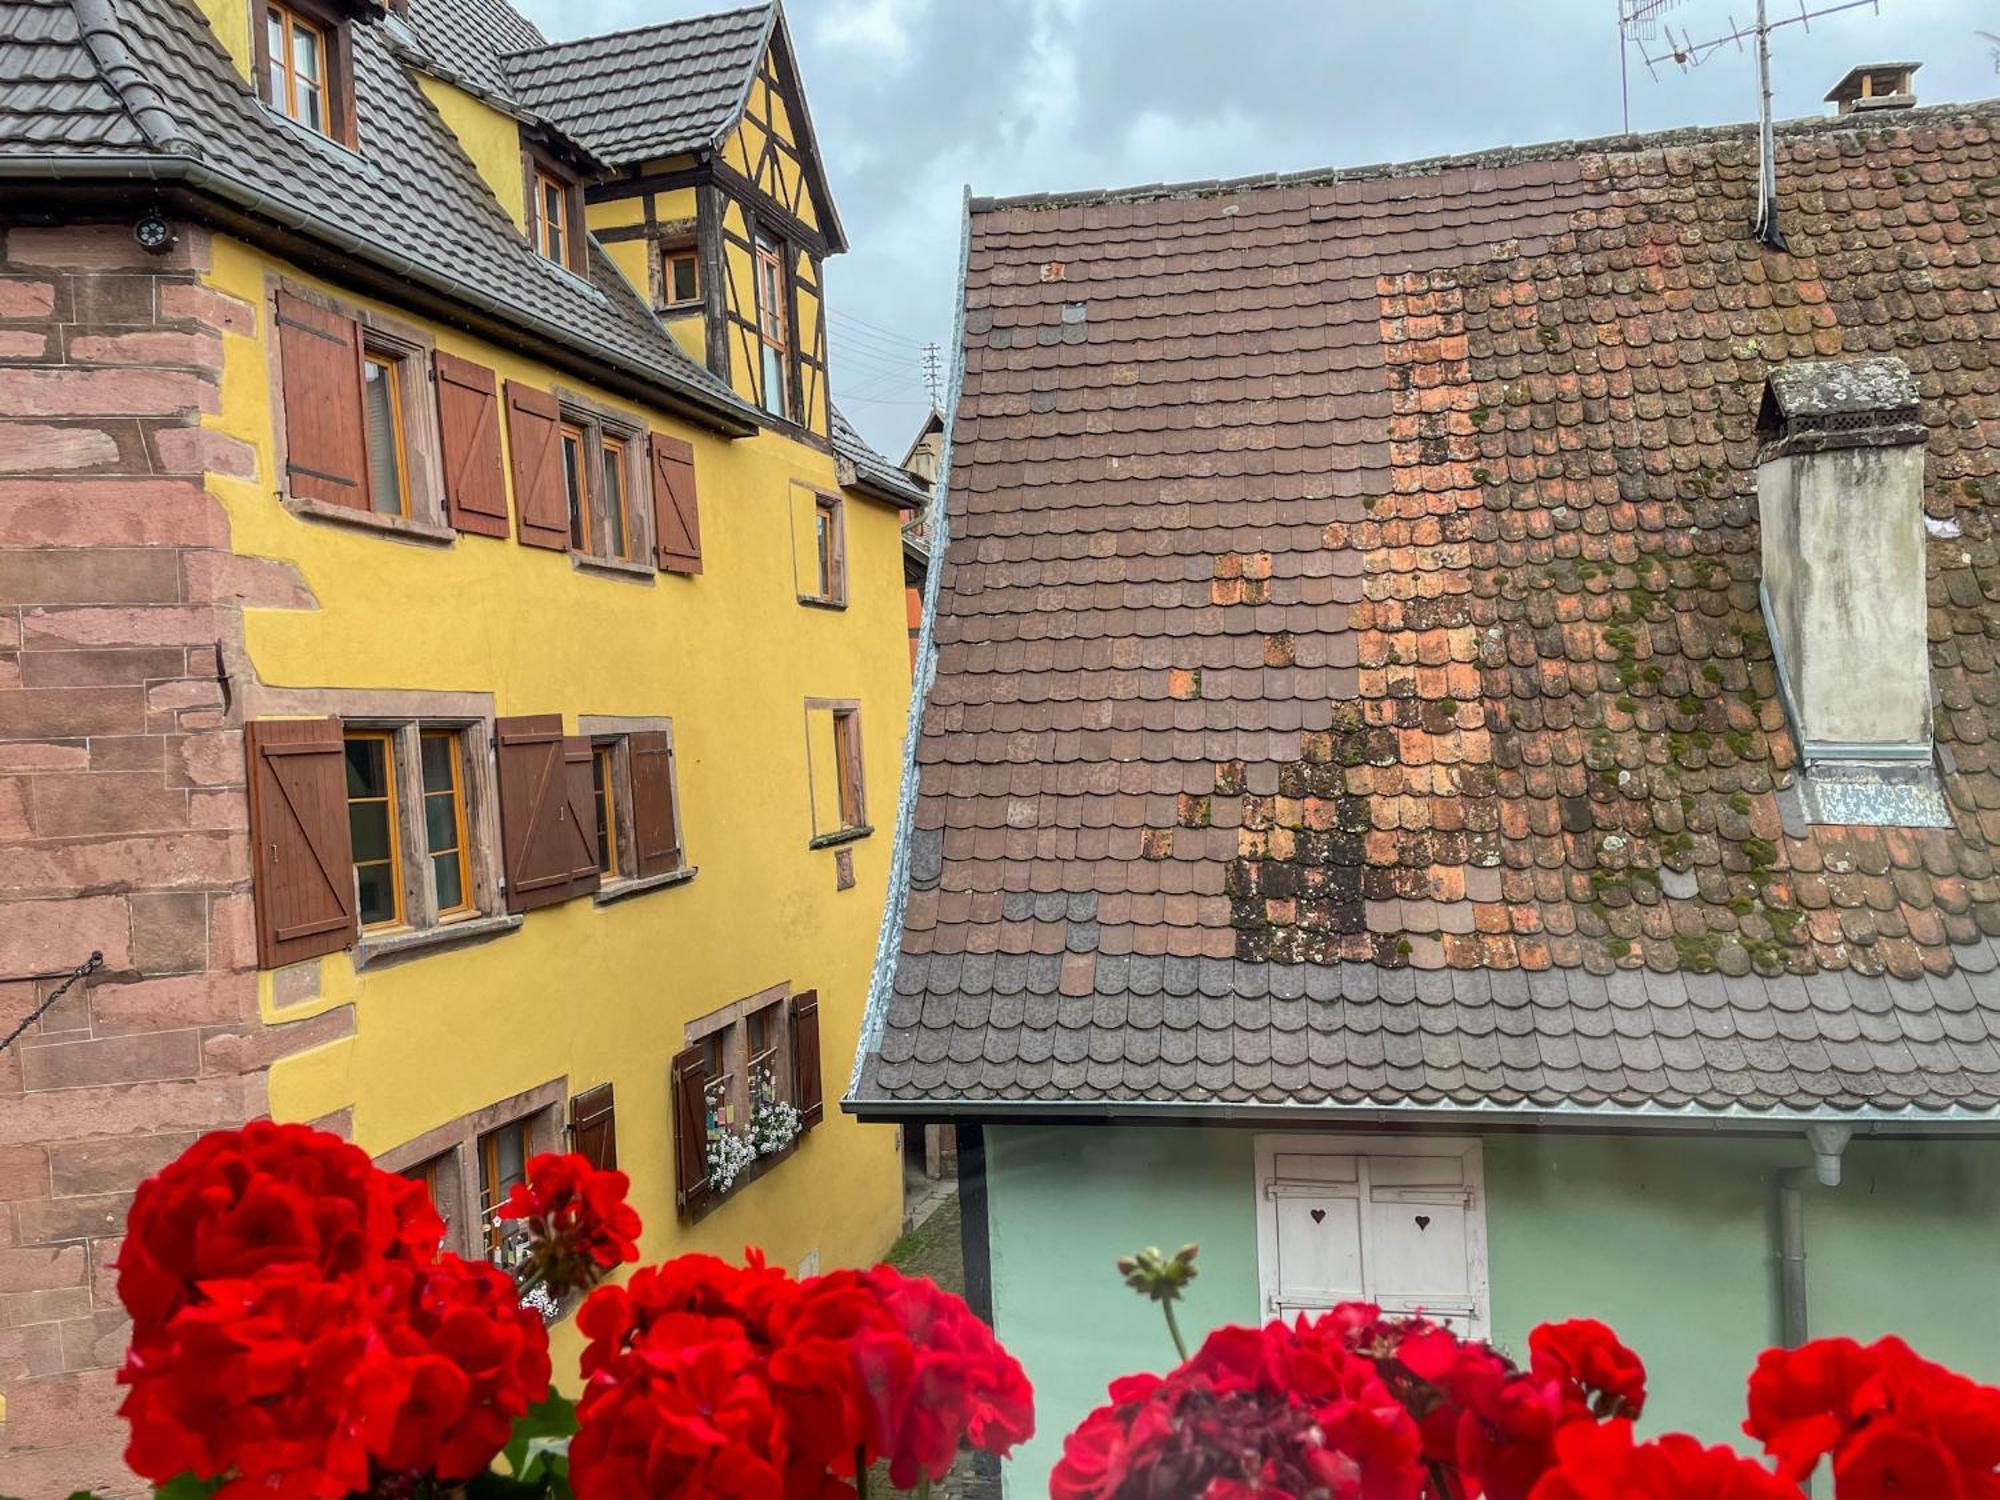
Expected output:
(1399, 1221)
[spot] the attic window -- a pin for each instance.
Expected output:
(555, 211)
(305, 66)
(680, 275)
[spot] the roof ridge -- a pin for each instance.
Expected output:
(650, 27)
(1492, 156)
(97, 25)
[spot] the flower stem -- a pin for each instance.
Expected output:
(861, 1474)
(1443, 1487)
(923, 1487)
(1174, 1330)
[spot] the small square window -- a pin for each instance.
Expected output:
(410, 816)
(303, 65)
(834, 765)
(680, 275)
(552, 217)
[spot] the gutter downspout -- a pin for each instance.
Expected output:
(1828, 1141)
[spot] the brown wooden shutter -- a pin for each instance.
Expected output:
(541, 844)
(302, 863)
(690, 1134)
(475, 480)
(806, 1094)
(593, 1127)
(656, 844)
(326, 448)
(676, 520)
(541, 506)
(580, 815)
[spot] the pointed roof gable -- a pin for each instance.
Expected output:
(666, 90)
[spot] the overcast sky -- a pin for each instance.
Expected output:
(915, 99)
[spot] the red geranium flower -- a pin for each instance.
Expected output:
(580, 1224)
(296, 1334)
(1896, 1425)
(1598, 1375)
(1601, 1462)
(237, 1201)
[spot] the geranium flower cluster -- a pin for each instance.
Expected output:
(579, 1224)
(296, 1333)
(1357, 1406)
(705, 1379)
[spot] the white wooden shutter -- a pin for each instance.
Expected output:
(1398, 1223)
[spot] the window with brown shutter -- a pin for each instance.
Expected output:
(326, 447)
(806, 1092)
(475, 484)
(547, 822)
(593, 1127)
(676, 520)
(690, 1089)
(541, 505)
(302, 866)
(655, 834)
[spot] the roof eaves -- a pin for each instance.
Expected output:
(729, 415)
(1503, 156)
(1648, 1117)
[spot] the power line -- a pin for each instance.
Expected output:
(876, 328)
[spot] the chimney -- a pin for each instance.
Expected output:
(1840, 501)
(1876, 86)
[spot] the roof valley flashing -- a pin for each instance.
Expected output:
(1840, 498)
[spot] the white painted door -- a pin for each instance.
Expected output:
(1397, 1222)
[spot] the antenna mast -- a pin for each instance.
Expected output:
(1635, 19)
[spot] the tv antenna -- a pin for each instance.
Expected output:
(934, 375)
(1640, 26)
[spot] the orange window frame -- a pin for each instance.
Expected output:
(830, 546)
(392, 382)
(455, 747)
(492, 1191)
(386, 738)
(285, 66)
(575, 442)
(552, 224)
(671, 258)
(773, 327)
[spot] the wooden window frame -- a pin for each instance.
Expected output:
(730, 1026)
(468, 906)
(579, 505)
(398, 872)
(604, 427)
(539, 167)
(452, 1149)
(670, 252)
(617, 499)
(336, 63)
(412, 350)
(608, 792)
(392, 368)
(614, 733)
(850, 772)
(827, 585)
(421, 923)
(769, 251)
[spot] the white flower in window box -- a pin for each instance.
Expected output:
(774, 1123)
(728, 1154)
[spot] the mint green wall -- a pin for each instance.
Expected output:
(1064, 1204)
(1671, 1240)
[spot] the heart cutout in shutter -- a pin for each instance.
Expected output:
(1423, 1221)
(1319, 1216)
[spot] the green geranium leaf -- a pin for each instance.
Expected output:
(186, 1487)
(539, 1447)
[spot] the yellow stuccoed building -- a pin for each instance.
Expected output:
(460, 687)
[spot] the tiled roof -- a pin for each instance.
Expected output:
(655, 91)
(52, 96)
(1351, 687)
(410, 201)
(872, 468)
(467, 39)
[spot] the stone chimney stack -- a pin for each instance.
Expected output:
(1840, 499)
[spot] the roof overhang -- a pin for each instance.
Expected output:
(105, 185)
(1653, 1119)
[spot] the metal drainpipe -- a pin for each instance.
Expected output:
(1827, 1142)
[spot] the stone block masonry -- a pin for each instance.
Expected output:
(122, 806)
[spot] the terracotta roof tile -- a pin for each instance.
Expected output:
(1352, 583)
